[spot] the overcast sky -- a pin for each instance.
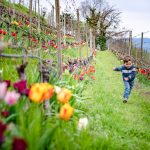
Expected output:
(135, 13)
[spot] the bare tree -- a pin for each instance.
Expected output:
(101, 18)
(109, 18)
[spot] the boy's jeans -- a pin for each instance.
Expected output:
(128, 87)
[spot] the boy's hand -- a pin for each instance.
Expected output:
(126, 78)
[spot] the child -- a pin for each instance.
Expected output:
(128, 73)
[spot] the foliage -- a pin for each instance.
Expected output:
(101, 40)
(111, 124)
(144, 79)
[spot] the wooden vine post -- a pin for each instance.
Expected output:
(30, 26)
(86, 31)
(141, 45)
(91, 45)
(78, 35)
(130, 43)
(57, 6)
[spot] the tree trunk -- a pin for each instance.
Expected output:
(91, 46)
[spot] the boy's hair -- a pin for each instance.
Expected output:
(126, 59)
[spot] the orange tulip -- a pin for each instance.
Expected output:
(76, 76)
(92, 77)
(48, 91)
(82, 73)
(66, 112)
(40, 92)
(36, 92)
(64, 95)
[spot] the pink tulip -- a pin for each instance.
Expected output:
(48, 42)
(11, 97)
(3, 89)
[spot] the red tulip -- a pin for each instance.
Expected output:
(142, 71)
(4, 32)
(14, 34)
(1, 31)
(27, 23)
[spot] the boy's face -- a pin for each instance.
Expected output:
(128, 64)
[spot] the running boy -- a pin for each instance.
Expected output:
(128, 73)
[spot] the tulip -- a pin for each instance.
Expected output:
(82, 74)
(2, 130)
(83, 122)
(14, 34)
(64, 95)
(35, 93)
(21, 87)
(142, 71)
(57, 89)
(11, 98)
(48, 91)
(40, 92)
(81, 78)
(66, 112)
(8, 83)
(4, 32)
(19, 144)
(1, 31)
(27, 23)
(92, 77)
(76, 76)
(5, 113)
(3, 89)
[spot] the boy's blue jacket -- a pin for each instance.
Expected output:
(127, 72)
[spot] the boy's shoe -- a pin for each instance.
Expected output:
(125, 100)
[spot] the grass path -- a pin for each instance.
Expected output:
(113, 124)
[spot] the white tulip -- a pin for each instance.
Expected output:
(82, 124)
(57, 89)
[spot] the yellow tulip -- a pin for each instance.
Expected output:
(64, 95)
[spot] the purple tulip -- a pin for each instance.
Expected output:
(19, 144)
(5, 113)
(8, 82)
(2, 130)
(21, 87)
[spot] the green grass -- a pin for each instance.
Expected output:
(113, 124)
(74, 52)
